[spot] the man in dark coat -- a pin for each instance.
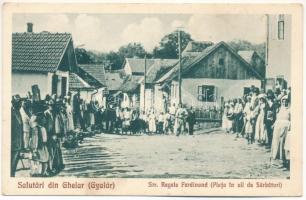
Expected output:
(270, 116)
(191, 119)
(16, 133)
(53, 141)
(76, 109)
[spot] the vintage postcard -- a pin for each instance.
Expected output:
(152, 99)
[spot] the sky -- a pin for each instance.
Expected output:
(107, 32)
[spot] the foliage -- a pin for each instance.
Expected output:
(240, 45)
(168, 46)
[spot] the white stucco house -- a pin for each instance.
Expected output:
(44, 59)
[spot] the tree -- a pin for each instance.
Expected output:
(132, 50)
(168, 46)
(83, 56)
(243, 45)
(115, 60)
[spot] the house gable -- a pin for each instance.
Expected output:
(190, 65)
(68, 61)
(221, 63)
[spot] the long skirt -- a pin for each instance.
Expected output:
(260, 130)
(70, 126)
(279, 134)
(287, 146)
(152, 125)
(249, 127)
(92, 118)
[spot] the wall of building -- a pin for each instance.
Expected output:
(279, 51)
(228, 89)
(127, 69)
(22, 82)
(221, 64)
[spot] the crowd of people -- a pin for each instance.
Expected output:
(40, 128)
(177, 119)
(263, 118)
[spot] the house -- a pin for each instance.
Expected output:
(114, 81)
(94, 75)
(278, 53)
(133, 86)
(217, 74)
(254, 60)
(44, 59)
(151, 95)
(136, 66)
(76, 84)
(194, 48)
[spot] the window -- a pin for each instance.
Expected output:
(221, 61)
(64, 86)
(54, 84)
(281, 26)
(206, 93)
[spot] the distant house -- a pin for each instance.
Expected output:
(278, 54)
(94, 75)
(151, 94)
(44, 59)
(133, 86)
(218, 73)
(194, 48)
(114, 81)
(76, 84)
(254, 60)
(136, 66)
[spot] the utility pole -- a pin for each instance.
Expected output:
(144, 85)
(180, 67)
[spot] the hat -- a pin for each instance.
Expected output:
(249, 97)
(16, 98)
(270, 93)
(285, 97)
(262, 96)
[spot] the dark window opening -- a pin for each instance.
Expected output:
(281, 27)
(54, 84)
(206, 93)
(64, 86)
(221, 61)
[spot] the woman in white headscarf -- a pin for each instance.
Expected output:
(281, 127)
(260, 129)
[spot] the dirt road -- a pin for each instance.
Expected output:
(204, 155)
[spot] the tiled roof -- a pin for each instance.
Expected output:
(130, 84)
(197, 46)
(113, 80)
(95, 71)
(158, 69)
(138, 64)
(38, 52)
(76, 82)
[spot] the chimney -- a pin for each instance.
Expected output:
(30, 27)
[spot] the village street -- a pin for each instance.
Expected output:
(204, 155)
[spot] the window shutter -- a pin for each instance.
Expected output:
(200, 92)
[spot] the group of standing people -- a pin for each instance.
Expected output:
(115, 119)
(263, 118)
(39, 127)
